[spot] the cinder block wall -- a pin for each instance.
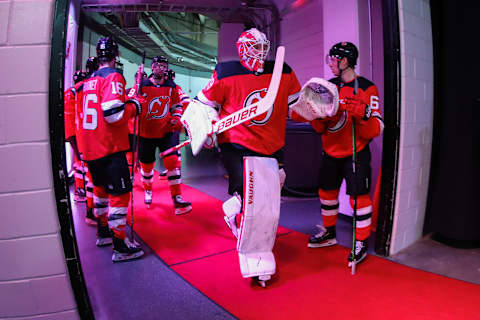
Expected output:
(33, 275)
(416, 122)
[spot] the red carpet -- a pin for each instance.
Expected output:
(309, 283)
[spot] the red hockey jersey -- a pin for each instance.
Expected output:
(337, 130)
(233, 87)
(69, 112)
(103, 118)
(162, 103)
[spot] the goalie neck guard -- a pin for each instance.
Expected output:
(253, 48)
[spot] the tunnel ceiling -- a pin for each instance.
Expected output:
(184, 31)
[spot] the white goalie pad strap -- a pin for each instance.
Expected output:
(261, 211)
(318, 99)
(197, 120)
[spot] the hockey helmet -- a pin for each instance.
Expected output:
(253, 47)
(91, 65)
(107, 47)
(345, 50)
(78, 76)
(159, 66)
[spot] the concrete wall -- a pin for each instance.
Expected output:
(33, 277)
(416, 122)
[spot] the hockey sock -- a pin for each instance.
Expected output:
(364, 216)
(117, 216)
(147, 174)
(174, 177)
(100, 204)
(329, 206)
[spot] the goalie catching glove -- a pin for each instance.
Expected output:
(318, 99)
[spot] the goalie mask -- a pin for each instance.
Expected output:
(159, 67)
(252, 48)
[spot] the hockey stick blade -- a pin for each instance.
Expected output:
(259, 107)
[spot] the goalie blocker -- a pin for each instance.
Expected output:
(261, 211)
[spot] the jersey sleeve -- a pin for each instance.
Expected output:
(69, 112)
(113, 97)
(176, 108)
(212, 94)
(294, 89)
(374, 125)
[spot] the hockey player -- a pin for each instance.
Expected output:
(104, 130)
(70, 136)
(184, 100)
(159, 119)
(359, 104)
(234, 85)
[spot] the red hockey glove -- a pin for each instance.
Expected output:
(176, 124)
(357, 106)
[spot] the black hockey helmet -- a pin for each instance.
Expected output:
(91, 65)
(107, 47)
(345, 50)
(160, 59)
(78, 76)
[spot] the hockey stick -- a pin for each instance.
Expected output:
(136, 134)
(247, 113)
(354, 169)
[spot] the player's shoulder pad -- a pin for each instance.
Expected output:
(168, 83)
(230, 68)
(147, 83)
(269, 64)
(364, 83)
(105, 72)
(337, 81)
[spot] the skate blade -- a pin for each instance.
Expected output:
(262, 280)
(179, 211)
(104, 242)
(321, 245)
(121, 257)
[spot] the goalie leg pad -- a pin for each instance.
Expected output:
(231, 208)
(261, 208)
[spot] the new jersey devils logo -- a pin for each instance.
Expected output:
(158, 108)
(254, 97)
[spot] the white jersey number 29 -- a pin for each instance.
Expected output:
(90, 123)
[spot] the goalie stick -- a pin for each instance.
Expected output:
(247, 113)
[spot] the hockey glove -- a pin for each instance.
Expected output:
(176, 123)
(357, 106)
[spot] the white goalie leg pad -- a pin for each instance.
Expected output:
(261, 211)
(231, 208)
(318, 99)
(197, 120)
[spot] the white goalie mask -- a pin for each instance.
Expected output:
(253, 48)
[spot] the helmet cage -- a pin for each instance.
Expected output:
(253, 48)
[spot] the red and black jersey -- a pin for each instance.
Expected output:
(162, 103)
(233, 87)
(69, 112)
(103, 118)
(337, 130)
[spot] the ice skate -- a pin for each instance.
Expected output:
(262, 280)
(79, 195)
(90, 219)
(104, 236)
(148, 197)
(124, 250)
(181, 206)
(361, 247)
(326, 237)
